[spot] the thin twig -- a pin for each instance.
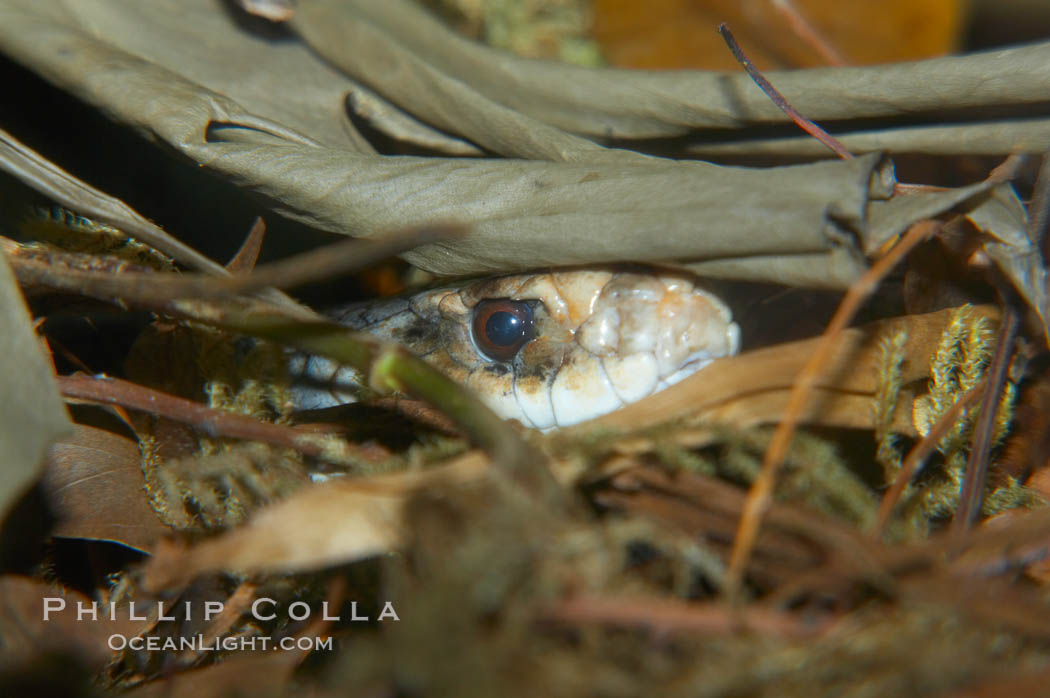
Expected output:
(316, 265)
(332, 260)
(972, 492)
(53, 344)
(808, 33)
(208, 420)
(760, 495)
(247, 256)
(779, 99)
(918, 454)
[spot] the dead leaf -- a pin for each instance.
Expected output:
(1012, 249)
(274, 87)
(94, 484)
(32, 415)
(753, 388)
(319, 526)
(587, 204)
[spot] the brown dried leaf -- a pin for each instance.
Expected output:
(650, 104)
(93, 482)
(402, 126)
(753, 388)
(604, 205)
(322, 525)
(51, 180)
(284, 86)
(1002, 219)
(31, 412)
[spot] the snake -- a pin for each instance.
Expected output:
(548, 349)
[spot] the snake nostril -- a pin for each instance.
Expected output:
(501, 327)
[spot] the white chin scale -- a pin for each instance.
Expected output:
(644, 333)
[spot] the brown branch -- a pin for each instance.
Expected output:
(332, 260)
(210, 421)
(158, 289)
(779, 99)
(761, 492)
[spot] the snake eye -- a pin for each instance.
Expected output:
(501, 327)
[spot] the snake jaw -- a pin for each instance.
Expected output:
(535, 368)
(633, 377)
(643, 334)
(582, 391)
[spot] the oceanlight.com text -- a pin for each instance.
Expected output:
(199, 643)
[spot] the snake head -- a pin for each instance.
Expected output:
(600, 340)
(549, 350)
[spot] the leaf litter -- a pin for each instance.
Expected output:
(604, 559)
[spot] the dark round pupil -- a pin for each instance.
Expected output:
(504, 329)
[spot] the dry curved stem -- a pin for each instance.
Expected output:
(760, 495)
(918, 454)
